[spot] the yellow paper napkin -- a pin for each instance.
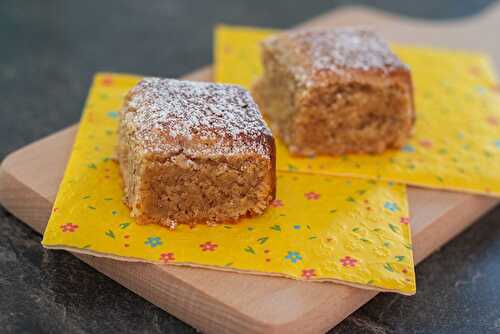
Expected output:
(456, 145)
(320, 228)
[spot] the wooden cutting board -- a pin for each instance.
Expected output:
(214, 301)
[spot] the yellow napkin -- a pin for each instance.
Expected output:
(320, 228)
(456, 144)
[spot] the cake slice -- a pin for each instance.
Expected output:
(335, 91)
(194, 152)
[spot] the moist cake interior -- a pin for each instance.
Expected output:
(352, 117)
(179, 189)
(185, 190)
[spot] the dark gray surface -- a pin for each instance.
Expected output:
(48, 53)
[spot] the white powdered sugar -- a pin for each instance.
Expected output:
(335, 49)
(189, 115)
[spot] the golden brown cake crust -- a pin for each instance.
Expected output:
(316, 55)
(194, 152)
(202, 118)
(335, 91)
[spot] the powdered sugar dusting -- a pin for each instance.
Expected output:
(201, 117)
(337, 49)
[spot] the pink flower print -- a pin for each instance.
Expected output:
(308, 273)
(277, 203)
(69, 227)
(493, 120)
(107, 80)
(425, 143)
(167, 257)
(348, 261)
(208, 246)
(312, 196)
(475, 71)
(404, 220)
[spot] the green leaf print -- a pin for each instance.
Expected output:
(356, 229)
(92, 166)
(262, 240)
(249, 249)
(394, 228)
(110, 234)
(388, 267)
(400, 258)
(124, 225)
(276, 228)
(351, 199)
(443, 151)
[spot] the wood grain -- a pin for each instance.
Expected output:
(221, 302)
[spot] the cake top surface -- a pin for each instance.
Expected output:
(199, 118)
(335, 49)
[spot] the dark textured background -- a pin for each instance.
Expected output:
(48, 53)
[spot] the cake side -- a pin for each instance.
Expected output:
(194, 153)
(368, 113)
(275, 93)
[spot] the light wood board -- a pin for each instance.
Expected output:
(218, 302)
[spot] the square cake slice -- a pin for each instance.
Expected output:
(335, 91)
(194, 152)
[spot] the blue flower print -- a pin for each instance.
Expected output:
(408, 149)
(296, 227)
(391, 206)
(153, 242)
(480, 90)
(293, 256)
(112, 114)
(497, 143)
